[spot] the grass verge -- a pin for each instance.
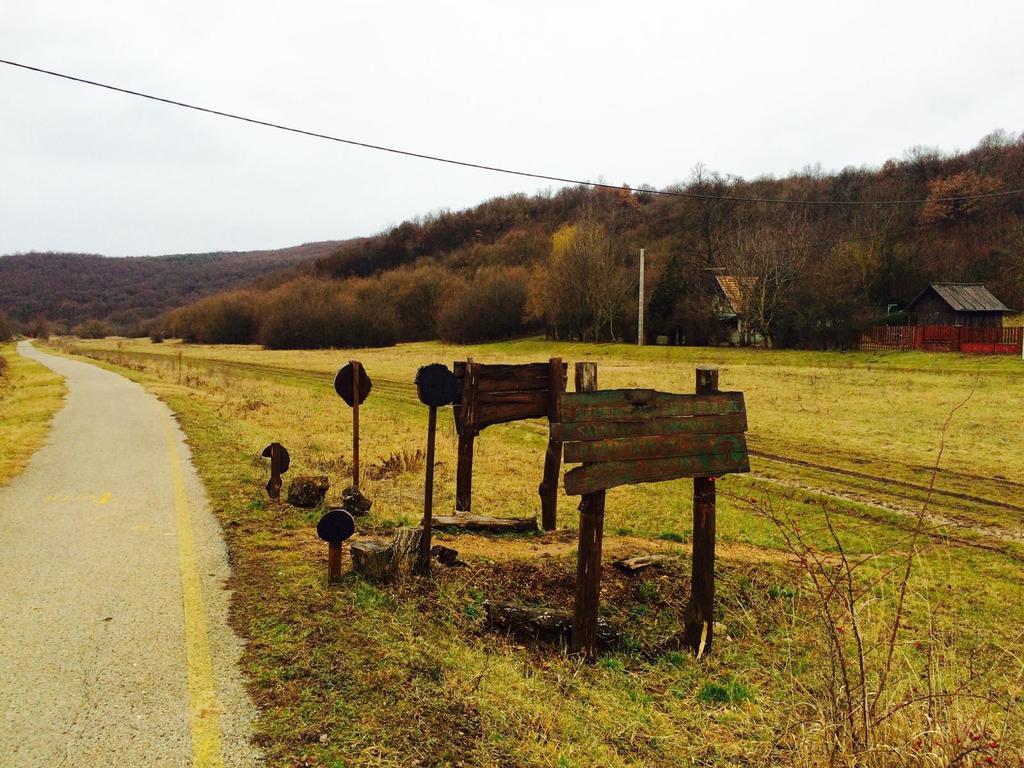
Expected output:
(30, 394)
(410, 674)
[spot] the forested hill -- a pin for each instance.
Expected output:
(818, 270)
(71, 288)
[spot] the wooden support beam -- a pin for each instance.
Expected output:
(464, 473)
(466, 424)
(588, 561)
(423, 564)
(699, 616)
(553, 455)
(334, 562)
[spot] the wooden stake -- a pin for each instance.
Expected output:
(275, 472)
(423, 565)
(464, 473)
(588, 562)
(467, 436)
(334, 563)
(699, 617)
(356, 365)
(553, 455)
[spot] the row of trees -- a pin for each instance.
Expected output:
(808, 275)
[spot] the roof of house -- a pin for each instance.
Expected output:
(964, 297)
(732, 289)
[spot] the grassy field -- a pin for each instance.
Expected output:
(410, 675)
(30, 394)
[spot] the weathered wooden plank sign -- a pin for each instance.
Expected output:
(629, 436)
(497, 394)
(353, 386)
(621, 456)
(279, 463)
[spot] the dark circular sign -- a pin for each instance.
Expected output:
(336, 526)
(343, 384)
(436, 385)
(285, 458)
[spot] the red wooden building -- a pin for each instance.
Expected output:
(951, 317)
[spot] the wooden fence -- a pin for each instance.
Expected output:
(995, 340)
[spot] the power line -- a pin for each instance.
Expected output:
(493, 168)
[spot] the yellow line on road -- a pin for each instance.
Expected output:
(204, 709)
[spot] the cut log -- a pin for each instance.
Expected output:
(638, 563)
(484, 523)
(308, 492)
(542, 622)
(382, 561)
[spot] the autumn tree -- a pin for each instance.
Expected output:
(584, 287)
(945, 203)
(5, 328)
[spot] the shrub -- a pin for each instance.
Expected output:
(5, 328)
(490, 306)
(311, 314)
(91, 329)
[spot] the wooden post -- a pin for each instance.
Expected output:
(586, 377)
(464, 473)
(334, 562)
(699, 617)
(274, 491)
(355, 422)
(588, 562)
(423, 564)
(467, 435)
(553, 455)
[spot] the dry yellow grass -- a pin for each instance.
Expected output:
(30, 394)
(395, 675)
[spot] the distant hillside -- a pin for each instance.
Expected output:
(70, 288)
(816, 273)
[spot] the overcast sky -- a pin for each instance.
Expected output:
(625, 92)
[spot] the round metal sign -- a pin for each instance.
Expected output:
(436, 385)
(336, 526)
(268, 453)
(343, 384)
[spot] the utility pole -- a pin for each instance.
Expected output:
(640, 308)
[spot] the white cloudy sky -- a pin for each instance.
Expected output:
(627, 92)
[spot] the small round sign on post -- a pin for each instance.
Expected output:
(353, 385)
(334, 527)
(279, 463)
(436, 386)
(351, 377)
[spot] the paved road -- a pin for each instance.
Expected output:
(114, 643)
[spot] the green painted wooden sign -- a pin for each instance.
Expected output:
(629, 436)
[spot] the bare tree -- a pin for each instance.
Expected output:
(767, 257)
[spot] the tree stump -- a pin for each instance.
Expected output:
(382, 561)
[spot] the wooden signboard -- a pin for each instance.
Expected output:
(629, 436)
(496, 394)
